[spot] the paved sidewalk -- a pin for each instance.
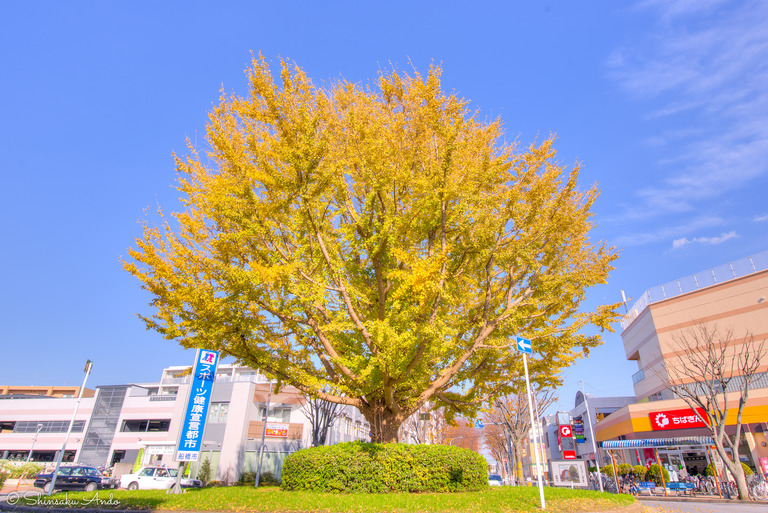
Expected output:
(13, 485)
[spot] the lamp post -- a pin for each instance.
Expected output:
(88, 367)
(37, 432)
(592, 435)
(455, 438)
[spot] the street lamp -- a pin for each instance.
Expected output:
(39, 428)
(455, 438)
(87, 370)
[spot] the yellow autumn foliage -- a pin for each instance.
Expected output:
(378, 241)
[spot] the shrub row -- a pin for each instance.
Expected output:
(709, 470)
(15, 470)
(640, 472)
(383, 468)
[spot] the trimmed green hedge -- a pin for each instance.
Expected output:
(15, 470)
(654, 474)
(382, 468)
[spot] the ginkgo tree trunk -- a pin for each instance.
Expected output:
(379, 241)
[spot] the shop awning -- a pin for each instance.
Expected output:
(657, 442)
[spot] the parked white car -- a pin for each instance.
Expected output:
(495, 480)
(154, 478)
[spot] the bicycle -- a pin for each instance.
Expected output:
(758, 488)
(609, 485)
(707, 486)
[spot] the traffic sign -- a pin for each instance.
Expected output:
(524, 345)
(479, 424)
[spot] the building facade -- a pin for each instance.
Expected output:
(118, 425)
(730, 298)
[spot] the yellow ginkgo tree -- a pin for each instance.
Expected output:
(374, 246)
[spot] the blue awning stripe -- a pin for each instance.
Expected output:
(656, 442)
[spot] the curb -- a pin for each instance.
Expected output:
(700, 500)
(633, 508)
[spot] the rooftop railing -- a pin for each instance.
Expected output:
(694, 282)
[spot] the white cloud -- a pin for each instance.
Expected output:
(760, 219)
(679, 243)
(665, 232)
(705, 68)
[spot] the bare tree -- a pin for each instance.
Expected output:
(512, 420)
(321, 415)
(495, 441)
(463, 434)
(710, 367)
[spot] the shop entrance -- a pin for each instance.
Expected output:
(683, 461)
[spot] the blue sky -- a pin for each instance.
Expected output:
(664, 103)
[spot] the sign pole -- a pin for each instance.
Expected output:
(192, 428)
(535, 436)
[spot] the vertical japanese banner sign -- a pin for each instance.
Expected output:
(191, 436)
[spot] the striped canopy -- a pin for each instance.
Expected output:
(657, 442)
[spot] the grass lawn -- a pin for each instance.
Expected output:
(271, 499)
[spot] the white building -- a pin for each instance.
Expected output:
(122, 422)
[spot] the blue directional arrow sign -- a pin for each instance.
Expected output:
(524, 345)
(479, 424)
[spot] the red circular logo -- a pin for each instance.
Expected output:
(565, 431)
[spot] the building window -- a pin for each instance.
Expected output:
(48, 426)
(276, 415)
(144, 426)
(217, 413)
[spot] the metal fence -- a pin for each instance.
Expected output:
(714, 276)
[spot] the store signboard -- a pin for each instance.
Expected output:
(676, 419)
(569, 473)
(764, 465)
(578, 431)
(159, 449)
(193, 425)
(277, 429)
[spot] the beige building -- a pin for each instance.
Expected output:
(52, 391)
(731, 298)
(650, 335)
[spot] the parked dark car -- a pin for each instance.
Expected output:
(74, 477)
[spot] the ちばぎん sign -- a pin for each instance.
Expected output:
(675, 419)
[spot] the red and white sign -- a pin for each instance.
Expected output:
(764, 465)
(565, 431)
(676, 419)
(569, 455)
(277, 429)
